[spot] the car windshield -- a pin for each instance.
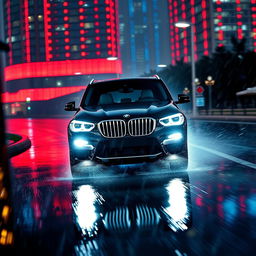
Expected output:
(127, 92)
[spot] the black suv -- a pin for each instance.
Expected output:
(128, 121)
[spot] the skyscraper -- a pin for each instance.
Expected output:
(144, 38)
(59, 43)
(215, 22)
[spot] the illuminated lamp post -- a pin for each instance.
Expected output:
(209, 82)
(186, 91)
(183, 25)
(162, 65)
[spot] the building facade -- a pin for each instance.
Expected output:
(215, 22)
(144, 38)
(58, 45)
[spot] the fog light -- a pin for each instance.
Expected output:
(175, 136)
(80, 143)
(173, 157)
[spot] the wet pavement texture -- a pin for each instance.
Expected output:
(142, 209)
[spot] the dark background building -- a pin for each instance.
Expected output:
(216, 22)
(144, 35)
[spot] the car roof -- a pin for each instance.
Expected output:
(93, 81)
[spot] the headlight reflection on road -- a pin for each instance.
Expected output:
(85, 209)
(178, 209)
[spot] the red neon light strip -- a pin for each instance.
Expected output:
(177, 36)
(239, 20)
(46, 37)
(205, 25)
(193, 21)
(112, 22)
(185, 41)
(40, 94)
(253, 17)
(172, 32)
(63, 68)
(9, 30)
(27, 34)
(117, 31)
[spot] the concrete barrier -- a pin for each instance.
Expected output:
(17, 144)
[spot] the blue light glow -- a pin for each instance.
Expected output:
(175, 136)
(80, 143)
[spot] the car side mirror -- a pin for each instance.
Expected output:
(71, 106)
(182, 98)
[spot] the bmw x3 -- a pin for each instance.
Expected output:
(128, 121)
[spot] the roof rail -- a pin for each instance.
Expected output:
(156, 76)
(92, 81)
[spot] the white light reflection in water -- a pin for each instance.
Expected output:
(85, 209)
(177, 210)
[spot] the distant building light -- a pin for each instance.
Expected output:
(182, 24)
(59, 83)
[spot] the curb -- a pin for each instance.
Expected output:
(20, 144)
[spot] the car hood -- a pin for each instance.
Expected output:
(110, 112)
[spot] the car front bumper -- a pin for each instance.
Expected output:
(162, 142)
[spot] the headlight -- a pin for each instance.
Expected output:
(177, 119)
(80, 126)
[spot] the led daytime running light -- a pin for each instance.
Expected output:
(80, 126)
(176, 119)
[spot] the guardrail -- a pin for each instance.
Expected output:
(225, 112)
(232, 112)
(17, 144)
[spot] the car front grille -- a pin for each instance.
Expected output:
(112, 128)
(141, 126)
(118, 128)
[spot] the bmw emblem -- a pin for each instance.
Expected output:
(126, 116)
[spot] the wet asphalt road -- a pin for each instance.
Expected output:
(144, 210)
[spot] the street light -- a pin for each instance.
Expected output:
(112, 58)
(183, 25)
(209, 82)
(162, 65)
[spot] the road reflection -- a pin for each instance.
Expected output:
(82, 217)
(131, 211)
